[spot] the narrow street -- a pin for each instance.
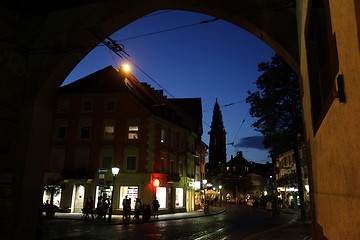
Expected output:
(235, 223)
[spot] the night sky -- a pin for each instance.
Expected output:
(186, 58)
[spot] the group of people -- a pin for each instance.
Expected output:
(88, 208)
(140, 209)
(103, 207)
(100, 210)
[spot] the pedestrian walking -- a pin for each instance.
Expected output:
(91, 206)
(269, 208)
(156, 206)
(86, 209)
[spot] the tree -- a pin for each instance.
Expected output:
(277, 106)
(52, 187)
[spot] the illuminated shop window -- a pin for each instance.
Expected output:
(161, 196)
(179, 198)
(131, 192)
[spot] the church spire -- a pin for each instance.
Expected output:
(217, 145)
(217, 121)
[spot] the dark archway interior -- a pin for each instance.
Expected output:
(42, 44)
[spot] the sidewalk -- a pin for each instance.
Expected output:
(117, 219)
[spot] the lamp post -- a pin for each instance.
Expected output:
(115, 171)
(220, 187)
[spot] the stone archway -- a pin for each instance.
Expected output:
(41, 44)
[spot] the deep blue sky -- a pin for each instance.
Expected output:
(210, 60)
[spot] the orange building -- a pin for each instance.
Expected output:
(109, 119)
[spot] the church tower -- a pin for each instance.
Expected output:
(217, 145)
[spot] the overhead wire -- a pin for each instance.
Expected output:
(242, 123)
(168, 30)
(226, 105)
(119, 50)
(157, 13)
(152, 79)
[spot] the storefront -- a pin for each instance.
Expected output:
(161, 196)
(132, 192)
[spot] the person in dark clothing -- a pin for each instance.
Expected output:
(138, 207)
(156, 206)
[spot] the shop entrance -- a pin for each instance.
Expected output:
(78, 198)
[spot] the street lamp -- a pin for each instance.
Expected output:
(220, 187)
(115, 171)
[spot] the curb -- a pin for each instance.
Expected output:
(140, 220)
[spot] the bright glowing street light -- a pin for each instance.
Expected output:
(126, 67)
(115, 171)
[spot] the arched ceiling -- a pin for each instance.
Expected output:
(48, 39)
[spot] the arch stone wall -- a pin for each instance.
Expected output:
(41, 43)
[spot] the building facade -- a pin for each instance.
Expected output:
(243, 180)
(110, 119)
(286, 178)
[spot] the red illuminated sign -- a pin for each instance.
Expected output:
(156, 182)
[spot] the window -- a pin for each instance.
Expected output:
(110, 105)
(161, 196)
(131, 163)
(57, 158)
(172, 167)
(131, 154)
(163, 135)
(181, 168)
(84, 128)
(60, 129)
(87, 105)
(162, 164)
(82, 157)
(133, 132)
(85, 132)
(106, 157)
(179, 197)
(322, 56)
(63, 106)
(129, 191)
(106, 162)
(234, 168)
(61, 132)
(109, 131)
